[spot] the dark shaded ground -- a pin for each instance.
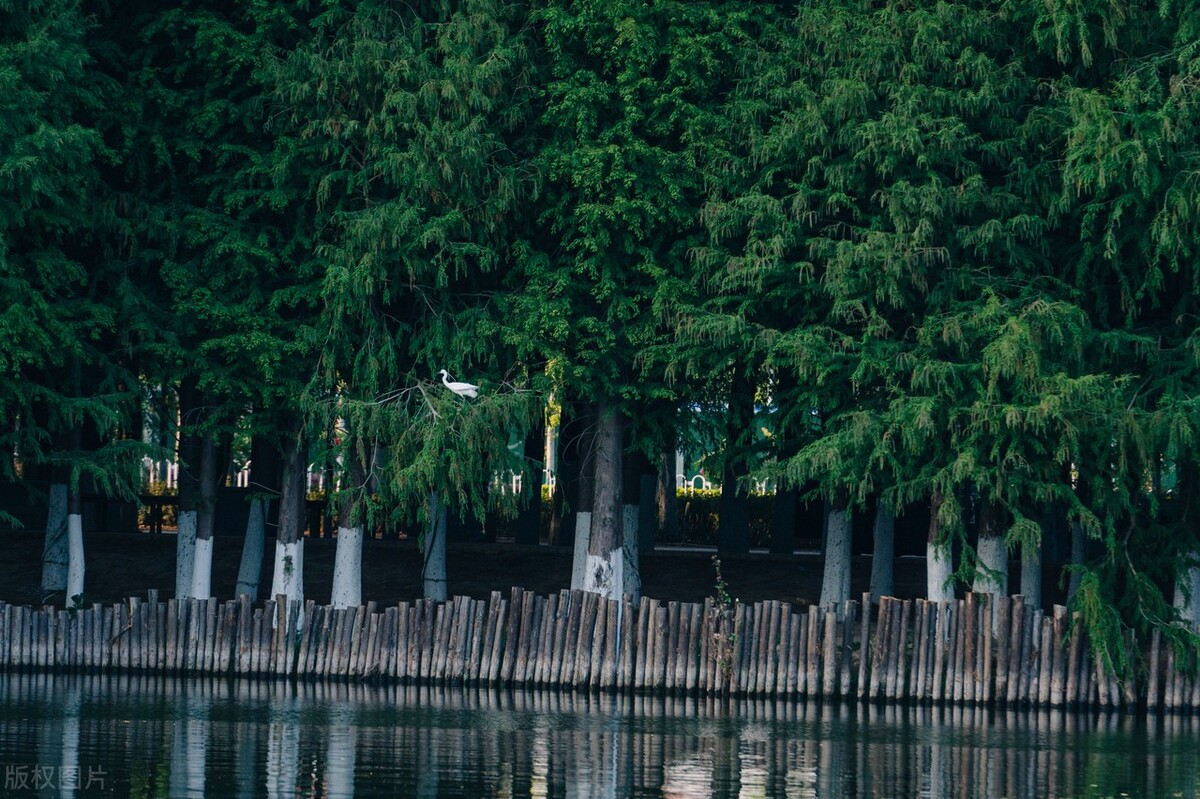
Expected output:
(121, 565)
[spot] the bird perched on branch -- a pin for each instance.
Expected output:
(461, 389)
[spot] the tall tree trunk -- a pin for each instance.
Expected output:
(637, 489)
(75, 562)
(433, 571)
(1031, 573)
(347, 566)
(55, 552)
(205, 517)
(288, 576)
(585, 486)
(264, 483)
(991, 550)
(835, 581)
(939, 556)
(188, 486)
(604, 571)
(883, 551)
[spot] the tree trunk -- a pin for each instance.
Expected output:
(991, 550)
(604, 571)
(835, 582)
(939, 564)
(638, 484)
(288, 575)
(75, 561)
(1031, 573)
(189, 457)
(264, 477)
(347, 565)
(584, 491)
(883, 552)
(55, 552)
(433, 572)
(205, 513)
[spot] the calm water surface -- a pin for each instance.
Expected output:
(68, 736)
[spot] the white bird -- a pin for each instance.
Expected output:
(461, 389)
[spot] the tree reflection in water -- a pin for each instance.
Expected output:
(158, 736)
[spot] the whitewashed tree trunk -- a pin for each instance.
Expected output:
(835, 581)
(185, 552)
(54, 552)
(433, 572)
(253, 546)
(288, 573)
(287, 577)
(1031, 573)
(205, 519)
(938, 556)
(632, 547)
(579, 552)
(347, 567)
(1187, 594)
(991, 574)
(883, 553)
(202, 568)
(75, 562)
(604, 572)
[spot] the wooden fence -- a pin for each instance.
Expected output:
(975, 650)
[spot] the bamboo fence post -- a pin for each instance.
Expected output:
(940, 640)
(513, 631)
(846, 670)
(790, 667)
(878, 647)
(829, 650)
(546, 637)
(970, 616)
(1015, 638)
(584, 639)
(498, 643)
(1058, 676)
(813, 653)
(642, 648)
(902, 661)
(1003, 617)
(864, 644)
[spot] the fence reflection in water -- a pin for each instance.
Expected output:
(159, 736)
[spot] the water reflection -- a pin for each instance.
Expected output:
(77, 736)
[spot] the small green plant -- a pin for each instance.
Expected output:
(287, 566)
(77, 603)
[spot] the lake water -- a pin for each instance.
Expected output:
(131, 735)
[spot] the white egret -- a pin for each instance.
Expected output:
(461, 389)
